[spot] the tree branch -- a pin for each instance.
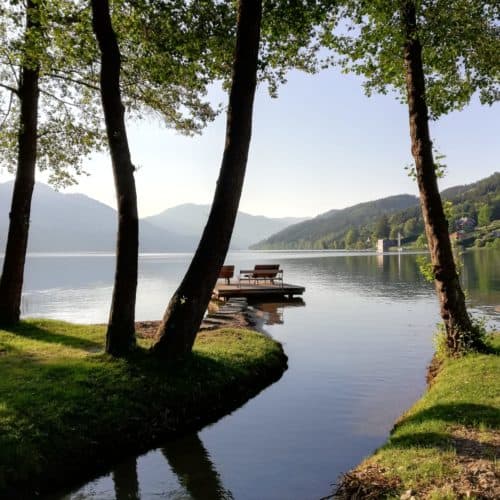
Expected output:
(9, 88)
(8, 111)
(74, 80)
(66, 103)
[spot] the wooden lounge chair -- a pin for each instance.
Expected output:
(226, 272)
(263, 273)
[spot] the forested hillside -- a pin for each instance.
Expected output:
(359, 226)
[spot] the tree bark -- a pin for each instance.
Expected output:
(120, 336)
(460, 333)
(11, 281)
(177, 332)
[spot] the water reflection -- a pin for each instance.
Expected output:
(190, 461)
(272, 313)
(357, 358)
(126, 481)
(182, 469)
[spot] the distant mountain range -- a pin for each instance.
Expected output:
(190, 219)
(76, 223)
(389, 215)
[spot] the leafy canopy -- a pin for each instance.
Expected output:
(460, 48)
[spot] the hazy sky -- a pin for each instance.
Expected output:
(321, 145)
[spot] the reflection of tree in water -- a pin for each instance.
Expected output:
(272, 313)
(190, 461)
(126, 481)
(396, 275)
(480, 276)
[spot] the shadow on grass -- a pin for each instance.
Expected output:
(466, 447)
(468, 414)
(69, 418)
(35, 332)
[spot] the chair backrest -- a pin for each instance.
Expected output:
(226, 272)
(266, 270)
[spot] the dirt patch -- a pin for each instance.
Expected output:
(477, 454)
(147, 329)
(369, 482)
(433, 370)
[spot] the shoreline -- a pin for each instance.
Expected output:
(108, 409)
(447, 445)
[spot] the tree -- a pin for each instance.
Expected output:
(11, 280)
(28, 136)
(56, 45)
(410, 227)
(437, 54)
(120, 337)
(484, 215)
(382, 227)
(178, 329)
(351, 237)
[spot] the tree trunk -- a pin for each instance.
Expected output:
(11, 281)
(460, 333)
(182, 319)
(120, 336)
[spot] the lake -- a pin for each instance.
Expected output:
(358, 348)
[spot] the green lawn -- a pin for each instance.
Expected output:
(447, 444)
(67, 409)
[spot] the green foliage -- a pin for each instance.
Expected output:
(426, 268)
(382, 228)
(439, 166)
(69, 120)
(480, 335)
(66, 406)
(460, 45)
(484, 215)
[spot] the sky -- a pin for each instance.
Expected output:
(321, 145)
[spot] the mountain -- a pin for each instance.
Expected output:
(335, 223)
(76, 223)
(190, 219)
(358, 226)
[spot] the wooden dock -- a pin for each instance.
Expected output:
(257, 291)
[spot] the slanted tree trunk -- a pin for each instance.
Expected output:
(11, 281)
(120, 336)
(182, 319)
(460, 333)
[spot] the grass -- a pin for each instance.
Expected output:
(67, 409)
(455, 424)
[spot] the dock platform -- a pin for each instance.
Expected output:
(256, 291)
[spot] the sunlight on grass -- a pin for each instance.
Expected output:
(64, 403)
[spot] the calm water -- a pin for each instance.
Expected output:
(358, 347)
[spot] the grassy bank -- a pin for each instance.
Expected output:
(447, 445)
(67, 410)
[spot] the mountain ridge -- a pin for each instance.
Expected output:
(387, 216)
(73, 222)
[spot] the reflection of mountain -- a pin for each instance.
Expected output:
(396, 276)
